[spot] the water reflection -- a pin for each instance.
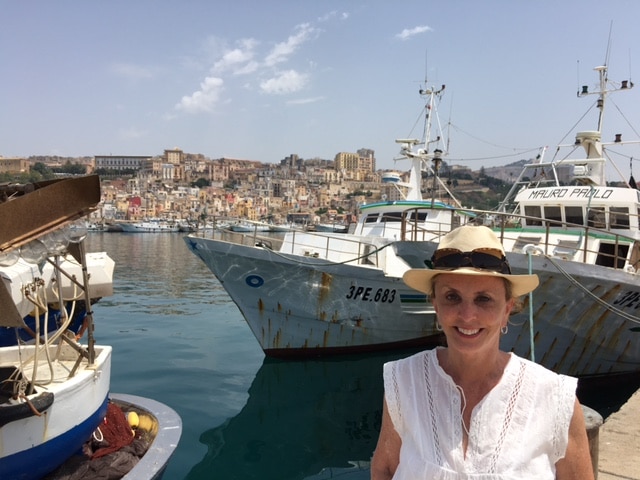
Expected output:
(303, 419)
(314, 419)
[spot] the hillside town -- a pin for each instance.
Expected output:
(189, 187)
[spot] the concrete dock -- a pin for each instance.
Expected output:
(619, 443)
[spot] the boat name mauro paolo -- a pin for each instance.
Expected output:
(579, 192)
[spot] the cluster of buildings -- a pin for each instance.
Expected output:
(183, 186)
(163, 186)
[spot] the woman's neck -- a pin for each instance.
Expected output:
(473, 371)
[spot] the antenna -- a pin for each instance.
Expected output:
(426, 66)
(606, 58)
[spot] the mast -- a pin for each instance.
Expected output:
(418, 151)
(591, 170)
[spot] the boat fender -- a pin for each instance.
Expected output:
(33, 407)
(141, 422)
(134, 421)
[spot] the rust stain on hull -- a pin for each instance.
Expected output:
(325, 286)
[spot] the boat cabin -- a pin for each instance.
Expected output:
(607, 208)
(597, 225)
(409, 220)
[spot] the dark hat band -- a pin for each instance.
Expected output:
(483, 261)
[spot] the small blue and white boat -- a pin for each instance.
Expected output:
(55, 387)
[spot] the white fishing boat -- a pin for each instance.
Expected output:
(581, 236)
(153, 225)
(54, 390)
(329, 227)
(323, 293)
(246, 226)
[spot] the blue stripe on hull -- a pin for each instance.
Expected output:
(34, 463)
(413, 298)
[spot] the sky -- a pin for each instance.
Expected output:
(261, 80)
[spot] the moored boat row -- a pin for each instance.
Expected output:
(581, 238)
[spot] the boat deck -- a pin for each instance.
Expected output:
(16, 364)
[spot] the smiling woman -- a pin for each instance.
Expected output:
(489, 412)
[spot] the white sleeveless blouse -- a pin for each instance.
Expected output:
(519, 430)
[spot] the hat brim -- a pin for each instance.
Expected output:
(421, 279)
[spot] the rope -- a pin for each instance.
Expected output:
(597, 299)
(531, 249)
(464, 406)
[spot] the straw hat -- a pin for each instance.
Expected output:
(469, 250)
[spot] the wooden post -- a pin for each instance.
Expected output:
(593, 421)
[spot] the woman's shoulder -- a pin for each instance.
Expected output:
(541, 374)
(416, 358)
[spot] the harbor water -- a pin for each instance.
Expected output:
(179, 339)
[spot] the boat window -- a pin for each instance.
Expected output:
(392, 217)
(422, 216)
(574, 215)
(553, 215)
(612, 255)
(596, 218)
(371, 218)
(532, 212)
(619, 217)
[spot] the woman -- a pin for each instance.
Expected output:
(471, 410)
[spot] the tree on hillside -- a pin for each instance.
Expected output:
(201, 183)
(71, 169)
(42, 169)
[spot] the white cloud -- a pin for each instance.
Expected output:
(240, 59)
(283, 50)
(286, 82)
(250, 67)
(333, 14)
(304, 101)
(410, 32)
(204, 99)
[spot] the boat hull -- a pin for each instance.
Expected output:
(149, 227)
(315, 307)
(33, 446)
(305, 306)
(249, 228)
(575, 330)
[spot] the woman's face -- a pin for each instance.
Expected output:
(471, 310)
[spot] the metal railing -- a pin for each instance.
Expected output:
(509, 227)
